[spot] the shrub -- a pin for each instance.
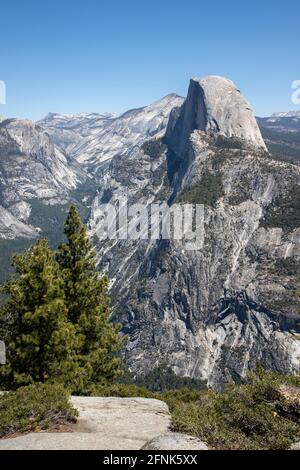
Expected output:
(182, 395)
(35, 407)
(262, 414)
(257, 415)
(120, 390)
(163, 378)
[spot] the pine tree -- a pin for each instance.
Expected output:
(41, 342)
(87, 301)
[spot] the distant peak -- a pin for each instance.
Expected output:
(286, 114)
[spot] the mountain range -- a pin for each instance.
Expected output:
(211, 313)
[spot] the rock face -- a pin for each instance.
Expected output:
(93, 140)
(31, 167)
(214, 105)
(169, 299)
(68, 131)
(295, 446)
(2, 352)
(45, 166)
(175, 441)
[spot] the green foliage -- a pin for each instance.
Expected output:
(283, 144)
(154, 148)
(181, 395)
(40, 341)
(287, 266)
(120, 390)
(233, 142)
(207, 191)
(163, 378)
(49, 218)
(87, 303)
(131, 390)
(284, 212)
(35, 407)
(257, 415)
(7, 249)
(262, 414)
(55, 316)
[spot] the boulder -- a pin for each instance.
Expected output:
(295, 446)
(175, 441)
(2, 352)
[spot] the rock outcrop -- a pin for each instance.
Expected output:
(93, 140)
(175, 441)
(31, 168)
(2, 352)
(295, 446)
(103, 424)
(215, 105)
(45, 166)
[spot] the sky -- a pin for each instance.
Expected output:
(99, 56)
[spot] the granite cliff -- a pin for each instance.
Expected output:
(171, 300)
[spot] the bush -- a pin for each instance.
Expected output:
(163, 378)
(119, 390)
(258, 415)
(171, 397)
(182, 395)
(35, 407)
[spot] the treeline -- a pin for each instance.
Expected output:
(55, 318)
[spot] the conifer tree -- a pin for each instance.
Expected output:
(41, 342)
(87, 301)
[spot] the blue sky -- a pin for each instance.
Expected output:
(93, 55)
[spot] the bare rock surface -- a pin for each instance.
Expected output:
(103, 424)
(296, 446)
(213, 104)
(175, 441)
(2, 352)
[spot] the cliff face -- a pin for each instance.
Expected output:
(93, 140)
(213, 104)
(169, 298)
(45, 166)
(31, 167)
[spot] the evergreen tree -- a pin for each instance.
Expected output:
(88, 303)
(41, 342)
